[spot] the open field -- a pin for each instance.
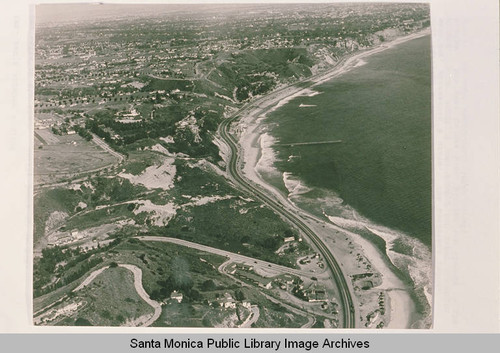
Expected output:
(58, 157)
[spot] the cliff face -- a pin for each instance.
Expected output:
(389, 34)
(386, 35)
(349, 44)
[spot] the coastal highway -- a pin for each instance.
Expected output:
(258, 264)
(234, 170)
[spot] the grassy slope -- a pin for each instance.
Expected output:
(112, 299)
(49, 201)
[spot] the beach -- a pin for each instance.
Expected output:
(342, 239)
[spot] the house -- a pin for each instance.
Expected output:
(227, 301)
(176, 296)
(316, 293)
(266, 283)
(285, 281)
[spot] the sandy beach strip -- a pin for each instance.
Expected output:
(402, 307)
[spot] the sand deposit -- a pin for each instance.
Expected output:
(156, 176)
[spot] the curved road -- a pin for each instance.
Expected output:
(311, 317)
(233, 257)
(234, 170)
(281, 208)
(253, 317)
(137, 272)
(230, 255)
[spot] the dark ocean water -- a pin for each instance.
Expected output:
(382, 113)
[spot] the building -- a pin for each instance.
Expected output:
(176, 296)
(227, 301)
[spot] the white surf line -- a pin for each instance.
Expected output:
(352, 61)
(402, 298)
(137, 272)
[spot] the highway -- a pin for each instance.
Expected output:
(230, 255)
(234, 170)
(264, 265)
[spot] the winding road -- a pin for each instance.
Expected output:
(234, 257)
(137, 272)
(252, 318)
(234, 169)
(311, 317)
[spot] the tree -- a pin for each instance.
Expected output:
(239, 295)
(208, 285)
(82, 322)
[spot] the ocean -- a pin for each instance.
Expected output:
(375, 179)
(381, 113)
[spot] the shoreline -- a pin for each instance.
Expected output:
(402, 306)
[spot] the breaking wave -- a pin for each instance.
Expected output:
(268, 156)
(409, 255)
(306, 92)
(294, 185)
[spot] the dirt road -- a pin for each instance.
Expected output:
(137, 272)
